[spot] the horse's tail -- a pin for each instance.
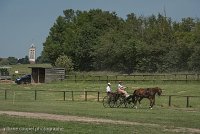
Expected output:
(134, 92)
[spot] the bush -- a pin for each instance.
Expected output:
(64, 62)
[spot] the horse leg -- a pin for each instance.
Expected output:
(151, 103)
(154, 100)
(135, 102)
(140, 101)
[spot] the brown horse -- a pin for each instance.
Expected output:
(148, 93)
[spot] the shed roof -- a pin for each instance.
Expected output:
(47, 67)
(40, 67)
(7, 67)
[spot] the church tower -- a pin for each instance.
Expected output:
(32, 54)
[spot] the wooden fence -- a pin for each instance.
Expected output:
(135, 77)
(36, 92)
(98, 95)
(187, 98)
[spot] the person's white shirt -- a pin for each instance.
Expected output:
(120, 86)
(108, 89)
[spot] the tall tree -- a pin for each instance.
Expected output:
(54, 45)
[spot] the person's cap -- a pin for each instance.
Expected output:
(109, 84)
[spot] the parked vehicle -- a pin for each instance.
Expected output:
(24, 79)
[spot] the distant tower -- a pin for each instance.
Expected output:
(32, 54)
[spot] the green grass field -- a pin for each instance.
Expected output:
(167, 118)
(21, 98)
(70, 127)
(164, 118)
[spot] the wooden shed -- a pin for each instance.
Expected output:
(46, 75)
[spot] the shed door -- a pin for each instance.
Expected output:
(38, 75)
(41, 75)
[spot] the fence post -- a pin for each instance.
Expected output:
(187, 105)
(72, 96)
(75, 78)
(5, 94)
(169, 100)
(99, 78)
(85, 95)
(64, 95)
(98, 96)
(35, 94)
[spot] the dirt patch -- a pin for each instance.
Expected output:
(7, 81)
(95, 120)
(71, 118)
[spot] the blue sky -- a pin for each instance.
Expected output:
(23, 22)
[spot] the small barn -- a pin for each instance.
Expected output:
(46, 75)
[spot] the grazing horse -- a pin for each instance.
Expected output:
(148, 93)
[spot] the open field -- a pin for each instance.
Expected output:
(42, 122)
(174, 119)
(162, 120)
(63, 91)
(38, 126)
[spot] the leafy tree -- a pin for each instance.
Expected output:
(64, 62)
(194, 60)
(129, 56)
(12, 60)
(100, 40)
(176, 59)
(148, 57)
(54, 45)
(24, 60)
(115, 52)
(196, 32)
(4, 61)
(187, 24)
(133, 26)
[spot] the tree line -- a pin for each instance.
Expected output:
(14, 61)
(97, 40)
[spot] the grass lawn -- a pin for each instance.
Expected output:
(181, 89)
(169, 118)
(38, 126)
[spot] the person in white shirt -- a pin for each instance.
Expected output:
(121, 89)
(108, 88)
